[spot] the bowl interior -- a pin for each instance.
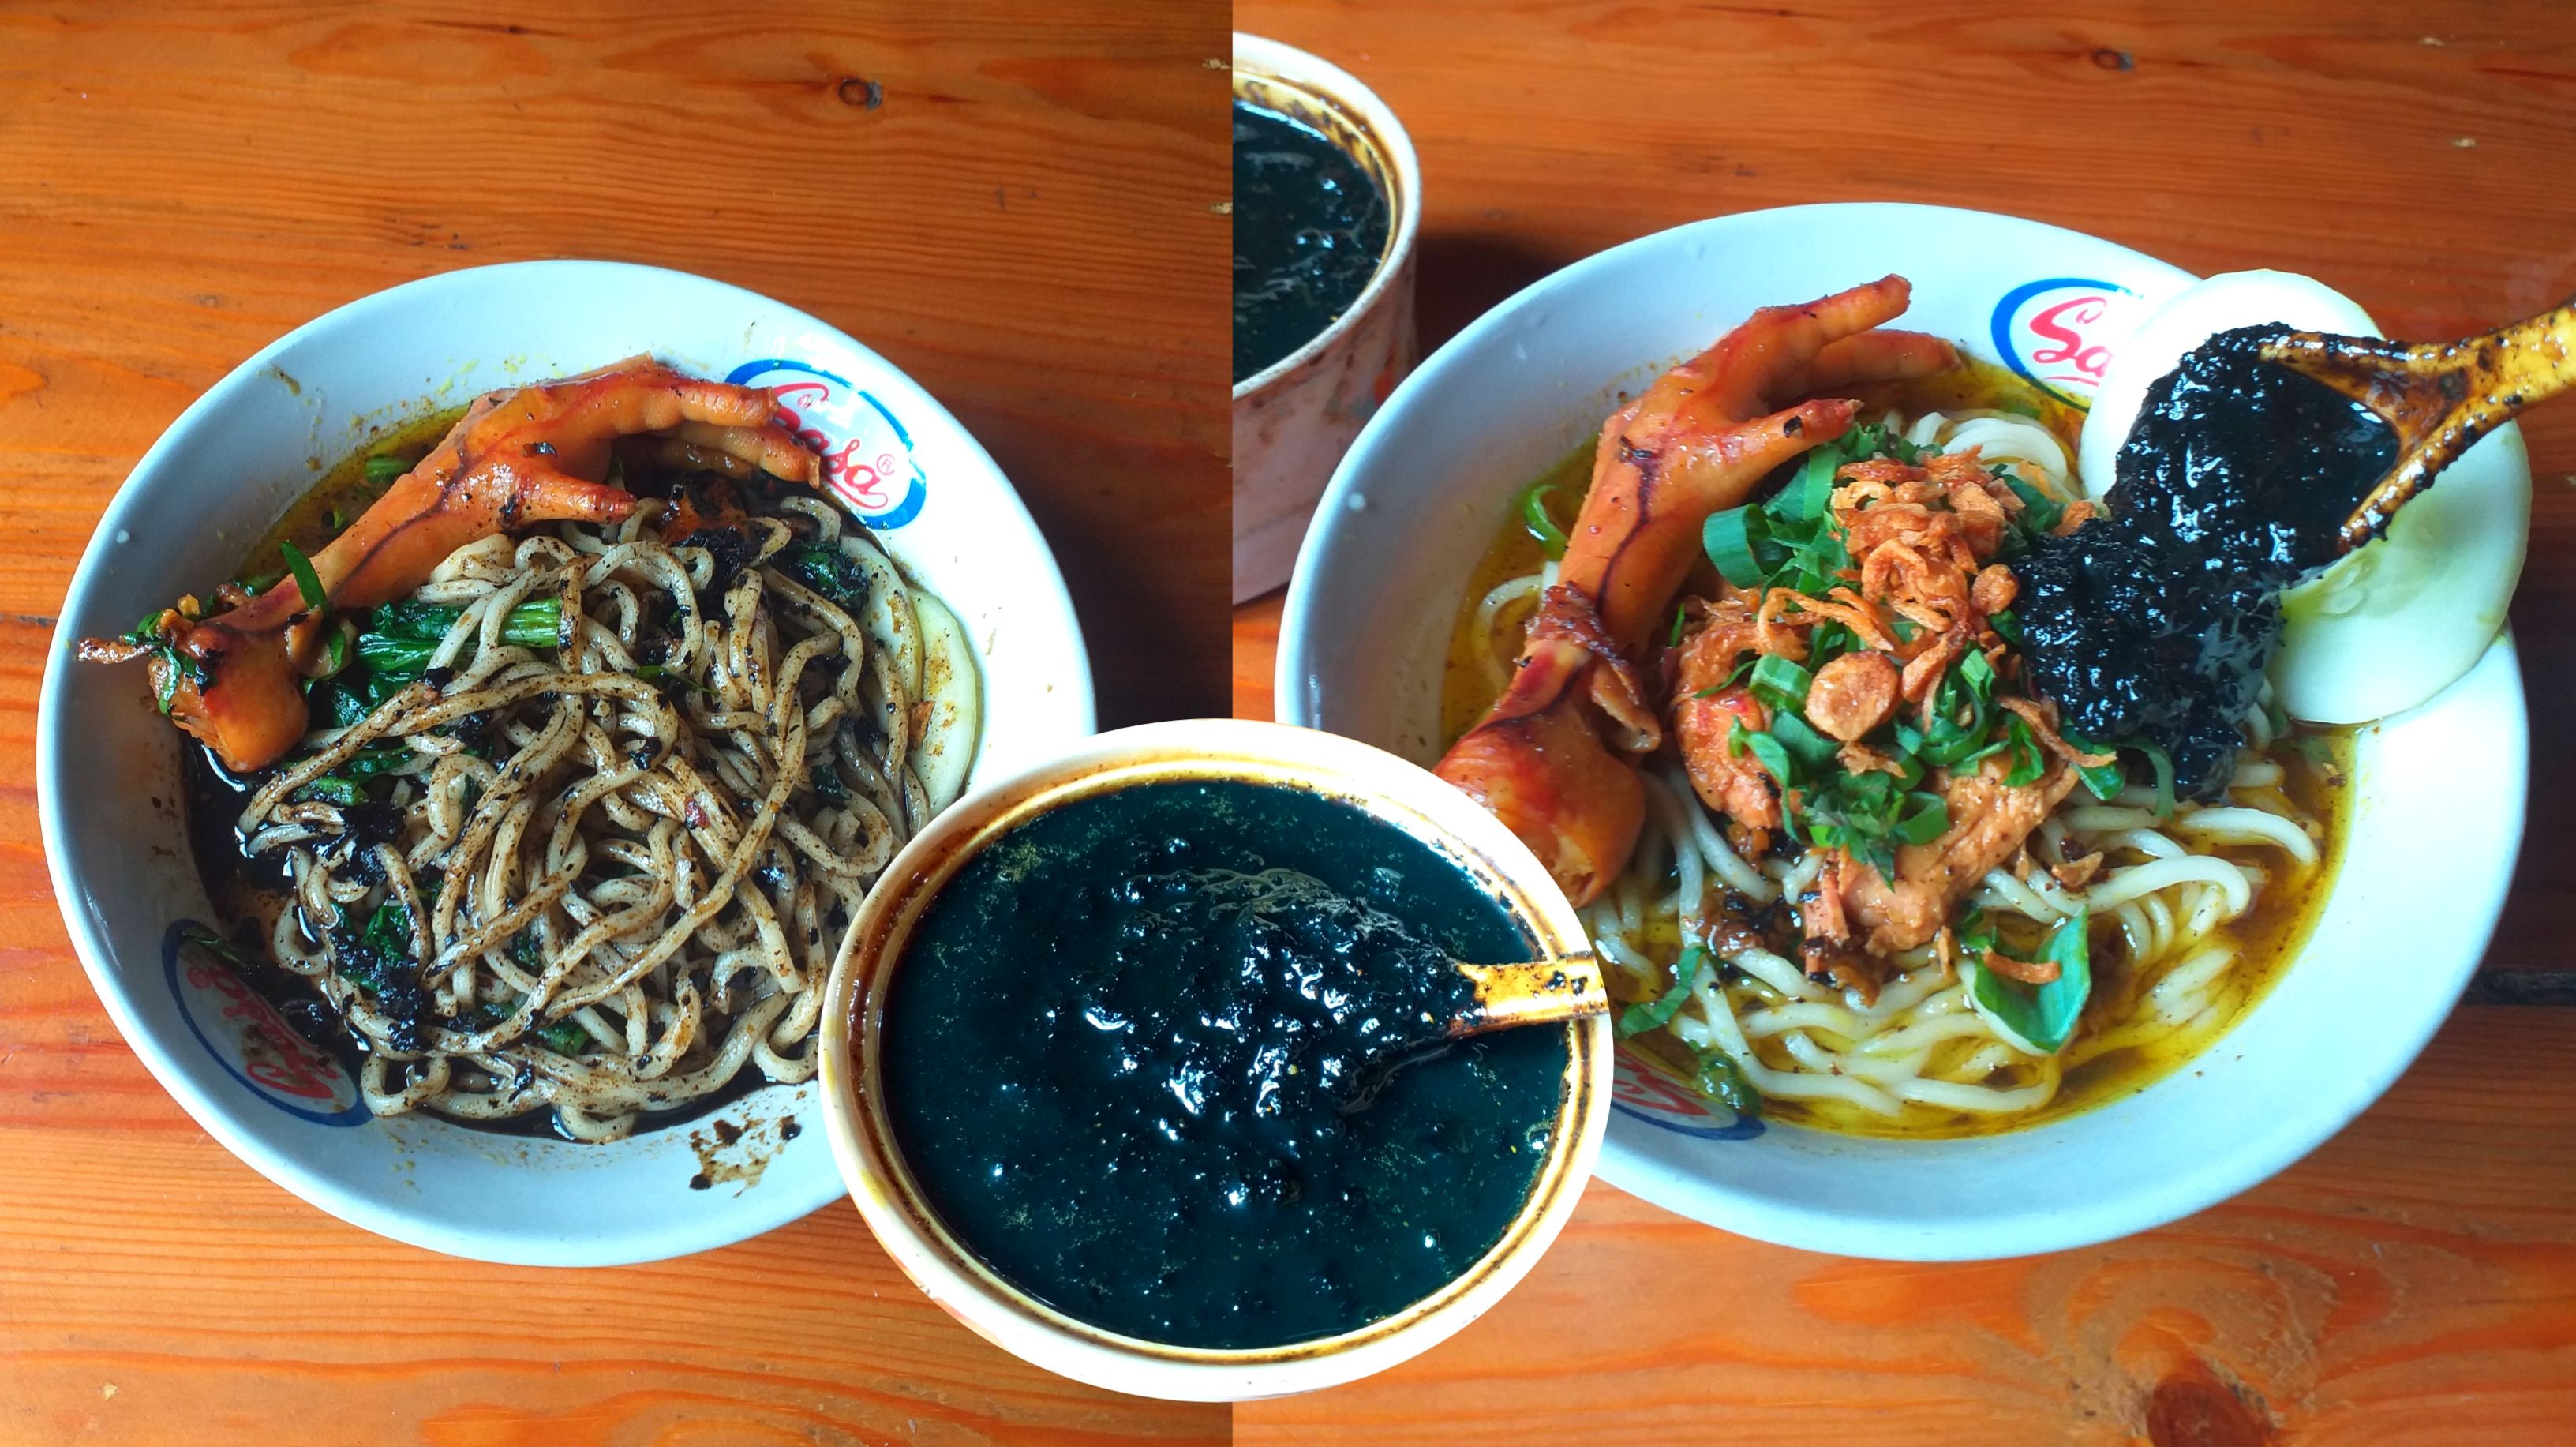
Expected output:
(108, 767)
(892, 1200)
(1310, 90)
(1422, 494)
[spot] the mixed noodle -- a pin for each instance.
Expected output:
(620, 837)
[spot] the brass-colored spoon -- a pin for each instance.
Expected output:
(1535, 992)
(1531, 992)
(2438, 397)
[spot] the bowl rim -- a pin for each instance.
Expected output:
(1303, 70)
(1822, 1229)
(946, 1271)
(727, 1220)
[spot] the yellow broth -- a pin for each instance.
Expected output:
(342, 493)
(2316, 770)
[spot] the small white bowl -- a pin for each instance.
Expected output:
(951, 1275)
(107, 766)
(1294, 418)
(2438, 816)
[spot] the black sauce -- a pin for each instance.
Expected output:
(1309, 227)
(2157, 622)
(1114, 1047)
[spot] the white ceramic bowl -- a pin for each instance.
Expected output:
(2439, 814)
(107, 767)
(1407, 797)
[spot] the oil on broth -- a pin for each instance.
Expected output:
(2316, 779)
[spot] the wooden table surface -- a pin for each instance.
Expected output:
(2415, 1279)
(1017, 204)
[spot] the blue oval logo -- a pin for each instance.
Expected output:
(867, 454)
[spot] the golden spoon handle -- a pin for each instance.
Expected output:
(1535, 992)
(2440, 397)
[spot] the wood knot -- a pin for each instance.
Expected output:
(860, 91)
(2192, 1408)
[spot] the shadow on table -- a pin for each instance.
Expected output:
(1461, 275)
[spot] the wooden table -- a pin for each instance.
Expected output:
(2415, 1279)
(1016, 203)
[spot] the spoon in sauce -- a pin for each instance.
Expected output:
(1534, 992)
(1504, 997)
(2436, 397)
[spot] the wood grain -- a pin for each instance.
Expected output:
(2415, 1279)
(1012, 202)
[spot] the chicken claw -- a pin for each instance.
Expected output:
(531, 455)
(1553, 760)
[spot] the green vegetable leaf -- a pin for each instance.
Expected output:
(1655, 1014)
(1811, 747)
(565, 1037)
(385, 467)
(2104, 780)
(1765, 749)
(308, 584)
(827, 570)
(334, 790)
(2039, 1018)
(1720, 1079)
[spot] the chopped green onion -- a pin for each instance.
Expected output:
(2162, 763)
(1729, 538)
(384, 468)
(2039, 512)
(565, 1037)
(2007, 626)
(307, 582)
(1805, 498)
(1540, 523)
(1780, 682)
(1681, 615)
(1925, 818)
(2028, 762)
(1978, 673)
